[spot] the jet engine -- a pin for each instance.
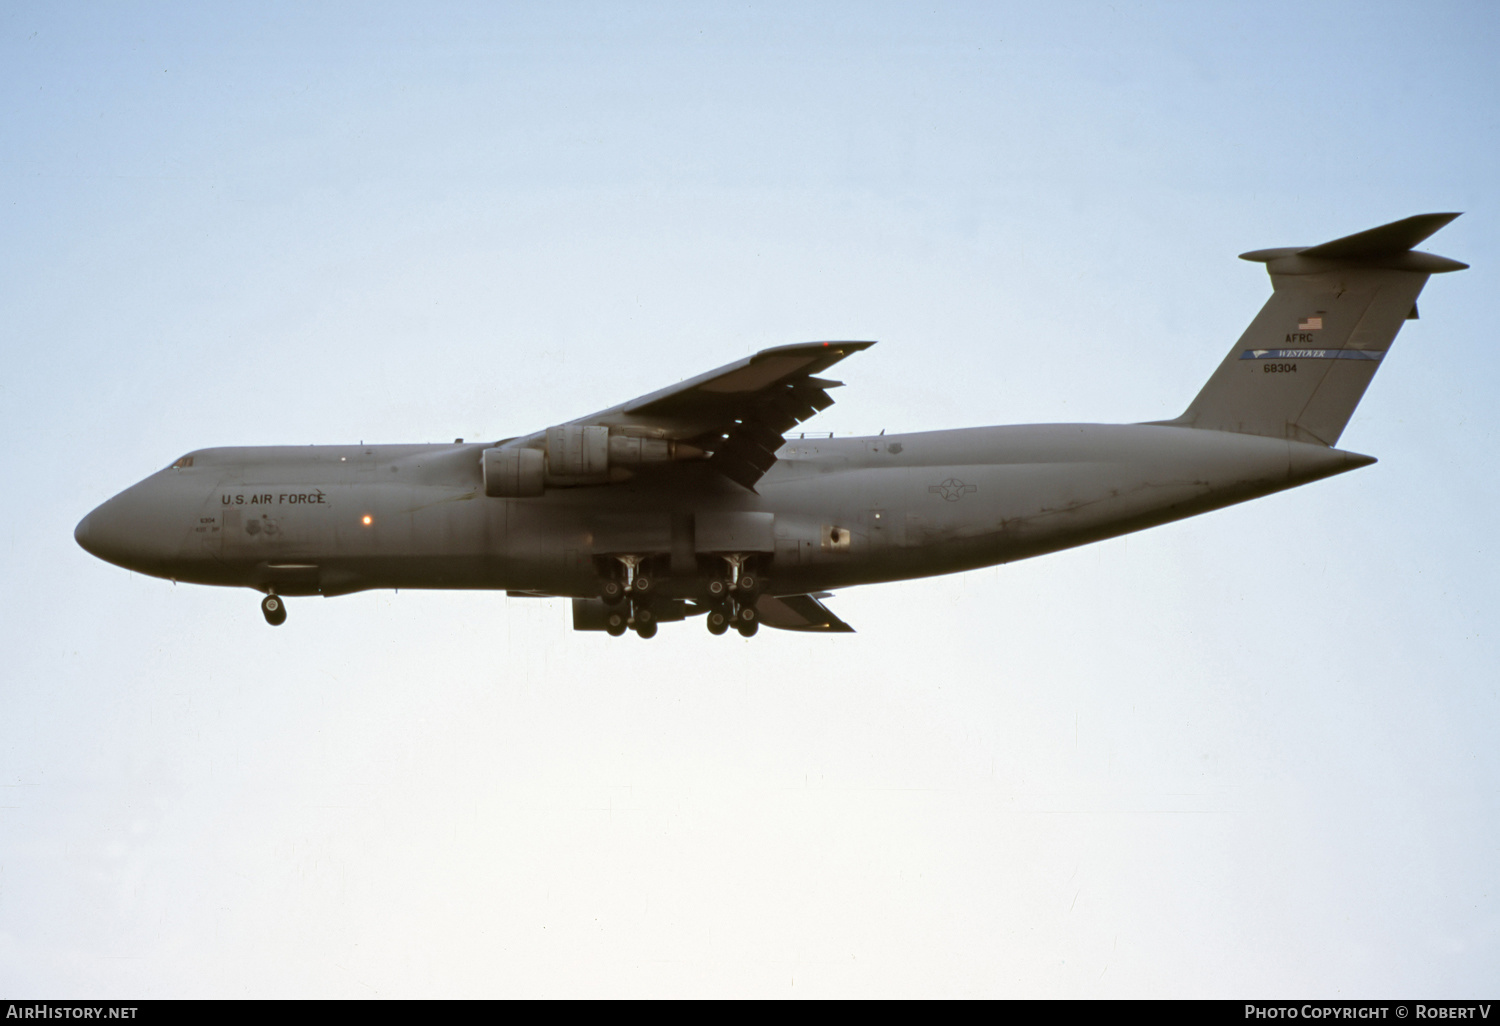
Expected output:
(573, 455)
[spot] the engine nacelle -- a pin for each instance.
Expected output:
(514, 473)
(575, 454)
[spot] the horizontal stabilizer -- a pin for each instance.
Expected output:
(1396, 237)
(1387, 246)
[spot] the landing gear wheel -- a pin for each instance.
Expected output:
(647, 629)
(615, 624)
(718, 621)
(642, 584)
(748, 614)
(717, 588)
(275, 610)
(749, 585)
(747, 629)
(611, 592)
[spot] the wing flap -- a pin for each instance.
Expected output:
(800, 613)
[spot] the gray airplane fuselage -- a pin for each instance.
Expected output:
(696, 499)
(846, 511)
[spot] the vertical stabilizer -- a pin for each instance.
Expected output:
(1302, 366)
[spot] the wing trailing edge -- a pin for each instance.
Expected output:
(800, 613)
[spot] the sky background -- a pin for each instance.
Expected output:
(1251, 753)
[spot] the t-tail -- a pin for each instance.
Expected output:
(1303, 364)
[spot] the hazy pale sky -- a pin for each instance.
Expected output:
(1251, 753)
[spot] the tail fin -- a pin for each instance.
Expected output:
(1303, 364)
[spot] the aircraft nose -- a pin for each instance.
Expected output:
(81, 536)
(96, 534)
(120, 531)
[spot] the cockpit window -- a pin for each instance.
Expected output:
(186, 461)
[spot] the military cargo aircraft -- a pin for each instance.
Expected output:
(698, 499)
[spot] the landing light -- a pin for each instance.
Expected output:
(368, 520)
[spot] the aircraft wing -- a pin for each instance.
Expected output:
(800, 613)
(739, 412)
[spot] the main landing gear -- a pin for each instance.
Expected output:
(727, 590)
(629, 597)
(732, 597)
(743, 618)
(274, 608)
(735, 611)
(636, 616)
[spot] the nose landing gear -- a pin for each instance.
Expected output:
(274, 608)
